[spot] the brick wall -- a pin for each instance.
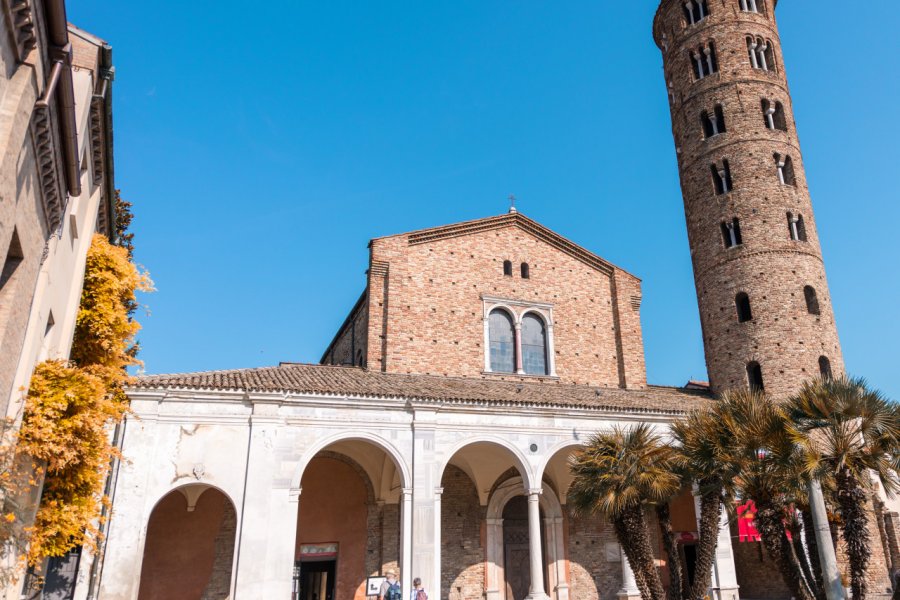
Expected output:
(595, 571)
(462, 539)
(219, 585)
(349, 346)
(426, 313)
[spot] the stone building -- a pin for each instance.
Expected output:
(434, 436)
(56, 184)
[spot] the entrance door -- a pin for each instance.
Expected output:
(315, 580)
(516, 553)
(518, 573)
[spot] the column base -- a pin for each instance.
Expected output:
(537, 596)
(727, 594)
(628, 595)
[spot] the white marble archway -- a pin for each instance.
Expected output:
(555, 561)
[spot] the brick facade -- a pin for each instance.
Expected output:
(426, 293)
(783, 337)
(462, 545)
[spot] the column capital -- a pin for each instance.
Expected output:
(438, 491)
(496, 522)
(535, 492)
(294, 495)
(407, 493)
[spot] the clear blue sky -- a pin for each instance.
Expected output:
(264, 144)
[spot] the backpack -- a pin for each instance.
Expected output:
(393, 592)
(421, 595)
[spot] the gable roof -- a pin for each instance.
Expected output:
(360, 383)
(512, 219)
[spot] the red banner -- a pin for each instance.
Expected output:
(747, 531)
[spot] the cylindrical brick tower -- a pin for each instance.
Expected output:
(764, 302)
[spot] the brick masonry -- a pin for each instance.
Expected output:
(772, 269)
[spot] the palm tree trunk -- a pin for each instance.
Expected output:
(812, 543)
(771, 529)
(710, 515)
(640, 576)
(635, 540)
(677, 582)
(803, 559)
(852, 500)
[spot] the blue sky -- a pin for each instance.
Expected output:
(263, 147)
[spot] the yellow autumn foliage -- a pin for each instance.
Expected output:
(71, 406)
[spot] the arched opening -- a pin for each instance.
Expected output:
(754, 377)
(349, 525)
(517, 549)
(502, 342)
(825, 367)
(507, 268)
(742, 303)
(812, 300)
(534, 345)
(189, 549)
(525, 270)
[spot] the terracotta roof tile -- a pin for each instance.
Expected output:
(356, 382)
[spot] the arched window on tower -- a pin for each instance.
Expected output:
(501, 332)
(695, 11)
(534, 345)
(825, 367)
(721, 178)
(704, 61)
(754, 6)
(507, 268)
(526, 271)
(796, 227)
(762, 56)
(713, 124)
(742, 303)
(754, 377)
(812, 300)
(731, 233)
(785, 168)
(773, 115)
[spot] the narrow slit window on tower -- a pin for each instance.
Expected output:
(14, 258)
(825, 367)
(526, 271)
(812, 300)
(785, 168)
(754, 6)
(695, 11)
(721, 178)
(704, 61)
(796, 227)
(742, 303)
(507, 268)
(754, 377)
(731, 233)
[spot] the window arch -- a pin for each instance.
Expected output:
(507, 268)
(825, 367)
(754, 377)
(742, 303)
(754, 6)
(785, 168)
(695, 11)
(721, 178)
(731, 233)
(502, 337)
(762, 55)
(773, 115)
(812, 300)
(534, 345)
(526, 271)
(796, 227)
(704, 61)
(713, 123)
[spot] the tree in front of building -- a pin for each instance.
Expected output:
(618, 475)
(849, 434)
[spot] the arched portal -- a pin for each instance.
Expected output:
(189, 550)
(350, 520)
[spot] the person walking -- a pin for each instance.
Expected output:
(418, 591)
(390, 589)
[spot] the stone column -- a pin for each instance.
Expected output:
(494, 558)
(426, 540)
(520, 368)
(406, 540)
(629, 589)
(534, 545)
(438, 541)
(556, 558)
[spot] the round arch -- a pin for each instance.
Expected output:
(360, 436)
(520, 462)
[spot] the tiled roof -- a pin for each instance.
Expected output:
(356, 382)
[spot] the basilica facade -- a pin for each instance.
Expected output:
(432, 440)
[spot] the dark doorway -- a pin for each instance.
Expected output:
(315, 580)
(517, 558)
(689, 552)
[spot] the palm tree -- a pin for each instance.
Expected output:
(705, 458)
(848, 432)
(617, 475)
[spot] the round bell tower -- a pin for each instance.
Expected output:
(764, 303)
